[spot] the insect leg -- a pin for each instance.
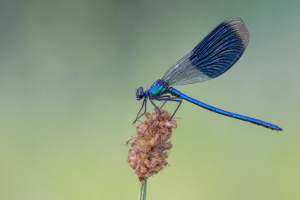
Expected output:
(144, 105)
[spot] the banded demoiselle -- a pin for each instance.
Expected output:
(213, 56)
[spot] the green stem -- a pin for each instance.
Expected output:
(143, 191)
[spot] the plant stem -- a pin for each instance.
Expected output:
(143, 191)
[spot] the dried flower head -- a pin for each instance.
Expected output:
(150, 149)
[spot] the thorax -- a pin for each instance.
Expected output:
(158, 88)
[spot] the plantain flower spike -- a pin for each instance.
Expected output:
(150, 148)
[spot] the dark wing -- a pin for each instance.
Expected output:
(213, 56)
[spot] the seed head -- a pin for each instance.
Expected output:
(150, 149)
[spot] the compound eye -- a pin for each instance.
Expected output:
(139, 93)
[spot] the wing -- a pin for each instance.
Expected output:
(213, 56)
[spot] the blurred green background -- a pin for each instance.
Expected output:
(68, 75)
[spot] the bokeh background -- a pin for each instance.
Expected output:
(68, 75)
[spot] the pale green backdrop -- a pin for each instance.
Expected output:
(68, 75)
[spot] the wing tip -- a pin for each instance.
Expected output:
(239, 27)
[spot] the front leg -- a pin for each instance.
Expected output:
(144, 105)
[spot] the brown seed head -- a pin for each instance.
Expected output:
(150, 149)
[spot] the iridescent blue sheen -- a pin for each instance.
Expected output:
(213, 56)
